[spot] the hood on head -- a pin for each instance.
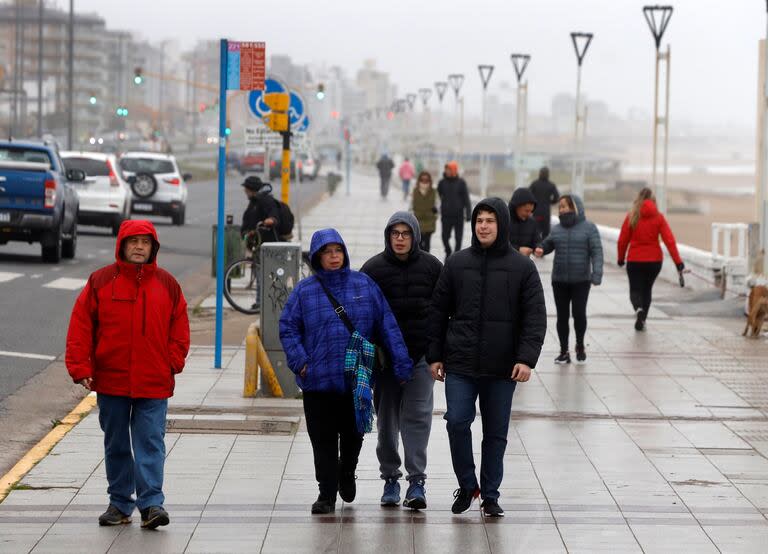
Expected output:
(319, 240)
(648, 209)
(500, 208)
(579, 203)
(131, 228)
(408, 219)
(522, 195)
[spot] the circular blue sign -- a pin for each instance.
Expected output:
(304, 125)
(256, 97)
(296, 109)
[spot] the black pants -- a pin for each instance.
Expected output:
(426, 241)
(542, 224)
(384, 185)
(642, 275)
(455, 225)
(571, 296)
(336, 442)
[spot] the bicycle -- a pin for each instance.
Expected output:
(242, 278)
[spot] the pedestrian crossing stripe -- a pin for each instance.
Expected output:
(66, 283)
(6, 276)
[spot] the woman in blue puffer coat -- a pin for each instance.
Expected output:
(578, 265)
(315, 341)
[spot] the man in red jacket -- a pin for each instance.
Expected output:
(128, 337)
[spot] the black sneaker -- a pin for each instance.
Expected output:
(464, 499)
(154, 517)
(113, 516)
(639, 320)
(491, 508)
(347, 487)
(563, 358)
(581, 355)
(323, 506)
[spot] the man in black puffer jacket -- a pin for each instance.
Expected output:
(486, 330)
(407, 277)
(523, 231)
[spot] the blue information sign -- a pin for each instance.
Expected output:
(256, 98)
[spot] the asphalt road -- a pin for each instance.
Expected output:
(36, 298)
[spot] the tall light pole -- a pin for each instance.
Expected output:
(485, 71)
(41, 9)
(762, 193)
(71, 74)
(456, 80)
(658, 18)
(581, 42)
(520, 61)
(425, 94)
(440, 88)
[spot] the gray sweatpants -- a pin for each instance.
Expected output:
(404, 410)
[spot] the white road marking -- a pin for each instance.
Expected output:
(26, 355)
(66, 283)
(8, 276)
(36, 276)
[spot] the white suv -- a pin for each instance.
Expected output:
(105, 197)
(158, 186)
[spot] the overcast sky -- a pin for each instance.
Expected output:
(714, 43)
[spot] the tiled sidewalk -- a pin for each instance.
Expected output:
(658, 444)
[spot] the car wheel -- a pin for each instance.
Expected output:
(69, 245)
(52, 253)
(144, 185)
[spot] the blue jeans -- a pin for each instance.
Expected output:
(134, 450)
(461, 393)
(406, 187)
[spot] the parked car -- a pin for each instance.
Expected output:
(309, 167)
(158, 186)
(275, 168)
(253, 161)
(105, 196)
(38, 201)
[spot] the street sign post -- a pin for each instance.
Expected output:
(242, 67)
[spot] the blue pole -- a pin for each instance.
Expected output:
(220, 219)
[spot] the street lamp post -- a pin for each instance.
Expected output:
(762, 193)
(658, 18)
(456, 80)
(581, 42)
(440, 88)
(485, 71)
(520, 61)
(425, 94)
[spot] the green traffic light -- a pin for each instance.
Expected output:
(227, 131)
(138, 79)
(92, 100)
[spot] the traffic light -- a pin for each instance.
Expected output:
(228, 131)
(121, 111)
(138, 78)
(202, 107)
(92, 100)
(320, 91)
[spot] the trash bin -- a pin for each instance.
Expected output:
(234, 248)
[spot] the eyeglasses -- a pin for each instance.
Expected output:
(397, 234)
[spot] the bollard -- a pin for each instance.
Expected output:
(255, 358)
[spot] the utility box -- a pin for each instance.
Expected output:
(233, 246)
(280, 264)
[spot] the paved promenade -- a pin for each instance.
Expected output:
(658, 444)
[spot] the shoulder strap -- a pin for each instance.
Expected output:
(338, 308)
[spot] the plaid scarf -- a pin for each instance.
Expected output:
(358, 367)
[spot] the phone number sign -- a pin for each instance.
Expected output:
(246, 65)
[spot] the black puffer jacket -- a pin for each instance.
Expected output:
(488, 309)
(407, 285)
(522, 233)
(455, 204)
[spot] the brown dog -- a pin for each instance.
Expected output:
(758, 311)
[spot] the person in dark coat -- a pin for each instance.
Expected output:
(385, 165)
(407, 276)
(546, 195)
(486, 331)
(578, 265)
(455, 206)
(523, 231)
(262, 210)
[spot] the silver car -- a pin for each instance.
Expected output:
(158, 186)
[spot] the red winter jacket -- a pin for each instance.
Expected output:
(643, 240)
(129, 329)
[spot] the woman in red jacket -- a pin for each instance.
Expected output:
(640, 233)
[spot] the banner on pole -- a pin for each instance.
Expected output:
(246, 65)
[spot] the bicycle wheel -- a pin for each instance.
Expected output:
(241, 286)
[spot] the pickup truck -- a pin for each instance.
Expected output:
(38, 201)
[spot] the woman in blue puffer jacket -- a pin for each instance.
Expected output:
(315, 341)
(578, 265)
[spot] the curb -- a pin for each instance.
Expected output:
(42, 448)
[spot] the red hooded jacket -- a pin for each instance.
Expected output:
(129, 329)
(643, 240)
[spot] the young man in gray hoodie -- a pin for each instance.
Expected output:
(407, 276)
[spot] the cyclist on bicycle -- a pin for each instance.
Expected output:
(262, 214)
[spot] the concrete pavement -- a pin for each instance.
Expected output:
(658, 444)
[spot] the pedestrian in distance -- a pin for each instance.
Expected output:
(578, 265)
(546, 195)
(523, 231)
(406, 173)
(455, 206)
(128, 338)
(262, 214)
(407, 276)
(424, 208)
(326, 330)
(385, 165)
(486, 330)
(639, 235)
